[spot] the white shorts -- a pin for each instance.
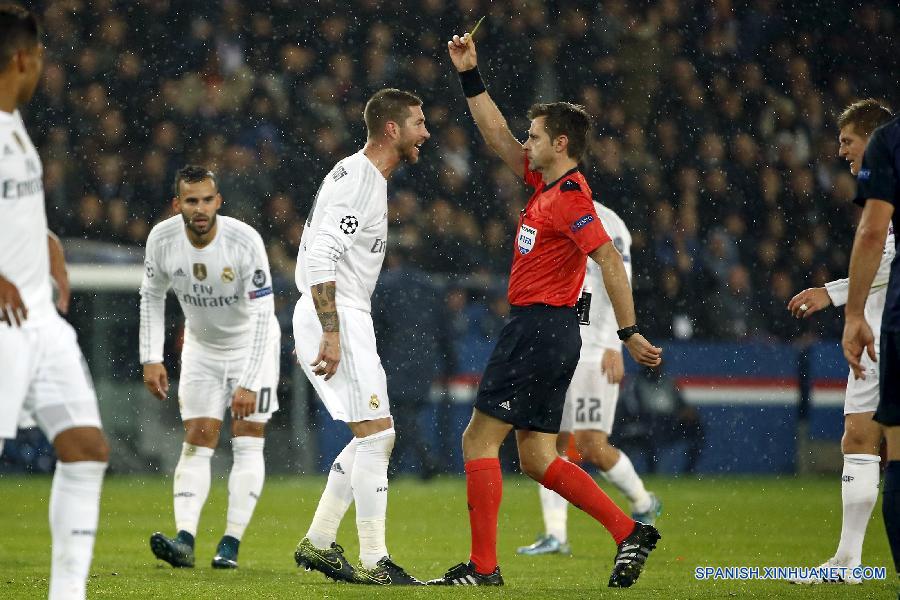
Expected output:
(590, 400)
(862, 394)
(44, 379)
(208, 383)
(358, 390)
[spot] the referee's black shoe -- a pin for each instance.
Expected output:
(632, 555)
(465, 574)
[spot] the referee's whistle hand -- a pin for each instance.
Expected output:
(643, 352)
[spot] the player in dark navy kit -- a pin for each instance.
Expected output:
(879, 193)
(524, 384)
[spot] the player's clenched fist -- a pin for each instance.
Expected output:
(643, 351)
(156, 380)
(462, 52)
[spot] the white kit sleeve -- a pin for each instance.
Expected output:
(153, 305)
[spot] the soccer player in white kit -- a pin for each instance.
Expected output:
(218, 269)
(591, 405)
(340, 257)
(861, 443)
(42, 371)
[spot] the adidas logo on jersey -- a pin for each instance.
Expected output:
(180, 272)
(336, 467)
(505, 405)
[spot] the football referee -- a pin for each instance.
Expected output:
(878, 191)
(524, 384)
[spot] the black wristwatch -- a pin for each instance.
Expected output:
(627, 332)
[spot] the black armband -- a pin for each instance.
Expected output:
(627, 332)
(471, 81)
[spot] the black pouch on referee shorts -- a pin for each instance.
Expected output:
(583, 308)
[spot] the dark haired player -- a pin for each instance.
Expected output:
(340, 258)
(524, 384)
(218, 269)
(42, 370)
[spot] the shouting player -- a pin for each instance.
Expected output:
(591, 405)
(861, 443)
(340, 257)
(42, 370)
(218, 269)
(524, 384)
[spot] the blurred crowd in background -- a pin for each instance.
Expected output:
(714, 133)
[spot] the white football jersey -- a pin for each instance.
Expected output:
(601, 334)
(225, 292)
(346, 233)
(24, 257)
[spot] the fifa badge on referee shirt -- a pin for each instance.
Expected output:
(373, 402)
(200, 271)
(227, 275)
(526, 238)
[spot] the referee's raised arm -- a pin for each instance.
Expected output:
(488, 117)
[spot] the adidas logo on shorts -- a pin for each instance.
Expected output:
(505, 405)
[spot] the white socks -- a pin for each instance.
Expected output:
(245, 482)
(191, 486)
(624, 477)
(370, 485)
(555, 509)
(74, 510)
(859, 493)
(335, 500)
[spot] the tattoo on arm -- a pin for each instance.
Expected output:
(323, 295)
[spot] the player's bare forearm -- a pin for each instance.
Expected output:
(58, 271)
(868, 246)
(615, 279)
(323, 295)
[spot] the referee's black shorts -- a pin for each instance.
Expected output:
(888, 412)
(531, 367)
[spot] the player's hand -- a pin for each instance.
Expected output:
(12, 309)
(857, 338)
(613, 366)
(243, 403)
(643, 351)
(326, 362)
(462, 52)
(156, 380)
(64, 291)
(812, 299)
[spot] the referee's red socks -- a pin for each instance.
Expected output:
(579, 488)
(484, 489)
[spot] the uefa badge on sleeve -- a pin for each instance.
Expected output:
(349, 224)
(259, 278)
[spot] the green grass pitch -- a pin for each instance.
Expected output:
(758, 521)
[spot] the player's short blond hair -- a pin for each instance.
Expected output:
(865, 116)
(389, 104)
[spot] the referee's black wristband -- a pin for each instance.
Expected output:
(471, 81)
(627, 332)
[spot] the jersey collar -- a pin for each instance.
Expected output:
(563, 176)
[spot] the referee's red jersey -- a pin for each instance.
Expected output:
(557, 230)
